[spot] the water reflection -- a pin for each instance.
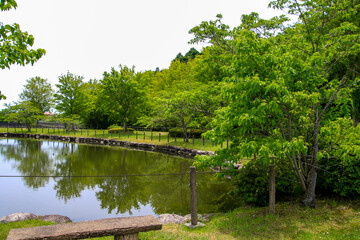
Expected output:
(165, 194)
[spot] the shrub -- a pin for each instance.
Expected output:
(120, 129)
(178, 132)
(252, 182)
(339, 177)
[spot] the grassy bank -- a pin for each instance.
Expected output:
(161, 138)
(329, 220)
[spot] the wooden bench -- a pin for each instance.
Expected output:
(122, 228)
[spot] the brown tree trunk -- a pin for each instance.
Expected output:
(125, 125)
(309, 199)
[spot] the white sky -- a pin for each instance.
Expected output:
(88, 37)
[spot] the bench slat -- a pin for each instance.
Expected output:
(88, 229)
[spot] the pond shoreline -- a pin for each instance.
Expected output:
(174, 150)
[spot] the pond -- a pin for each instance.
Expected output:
(106, 181)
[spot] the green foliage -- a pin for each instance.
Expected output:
(14, 44)
(191, 54)
(38, 91)
(118, 129)
(340, 177)
(69, 97)
(355, 97)
(24, 112)
(178, 132)
(252, 182)
(286, 83)
(122, 94)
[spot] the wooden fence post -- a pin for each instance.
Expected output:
(159, 136)
(168, 137)
(144, 135)
(272, 189)
(151, 135)
(194, 218)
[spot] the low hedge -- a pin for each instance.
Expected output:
(178, 132)
(120, 129)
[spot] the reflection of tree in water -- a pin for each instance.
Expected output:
(30, 160)
(168, 193)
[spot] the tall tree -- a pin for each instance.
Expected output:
(69, 95)
(122, 93)
(15, 45)
(288, 85)
(39, 92)
(24, 112)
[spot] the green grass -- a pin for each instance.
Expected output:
(137, 136)
(330, 220)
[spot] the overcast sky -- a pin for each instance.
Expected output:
(88, 37)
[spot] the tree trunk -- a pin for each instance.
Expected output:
(125, 125)
(309, 199)
(186, 138)
(311, 177)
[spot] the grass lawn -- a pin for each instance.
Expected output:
(329, 220)
(160, 138)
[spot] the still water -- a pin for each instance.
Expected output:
(89, 198)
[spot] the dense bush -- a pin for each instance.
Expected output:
(252, 182)
(178, 132)
(120, 129)
(339, 177)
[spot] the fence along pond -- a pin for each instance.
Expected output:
(86, 198)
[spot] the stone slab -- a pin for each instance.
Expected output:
(88, 229)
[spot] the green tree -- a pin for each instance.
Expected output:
(69, 96)
(24, 112)
(122, 93)
(39, 92)
(15, 45)
(286, 86)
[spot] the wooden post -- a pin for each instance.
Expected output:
(88, 132)
(193, 140)
(272, 189)
(134, 236)
(168, 137)
(81, 131)
(203, 141)
(159, 136)
(136, 134)
(144, 135)
(95, 132)
(193, 196)
(151, 135)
